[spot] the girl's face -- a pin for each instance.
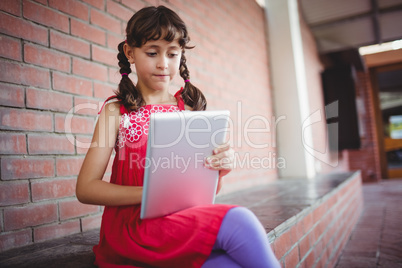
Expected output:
(156, 62)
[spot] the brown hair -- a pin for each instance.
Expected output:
(153, 23)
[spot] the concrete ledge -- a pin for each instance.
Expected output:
(308, 223)
(320, 232)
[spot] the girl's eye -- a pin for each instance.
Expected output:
(151, 54)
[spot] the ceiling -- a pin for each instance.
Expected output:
(343, 24)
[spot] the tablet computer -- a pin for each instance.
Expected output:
(175, 177)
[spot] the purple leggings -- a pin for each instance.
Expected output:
(241, 242)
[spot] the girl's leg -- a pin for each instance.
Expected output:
(220, 259)
(244, 240)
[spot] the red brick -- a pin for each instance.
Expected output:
(134, 5)
(46, 58)
(152, 2)
(85, 106)
(304, 246)
(88, 32)
(72, 84)
(1, 224)
(292, 258)
(68, 166)
(49, 144)
(16, 119)
(319, 248)
(96, 3)
(72, 209)
(75, 124)
(11, 6)
(319, 212)
(82, 125)
(327, 235)
(24, 75)
(52, 188)
(282, 244)
(71, 7)
(119, 10)
(91, 222)
(23, 29)
(12, 95)
(48, 100)
(59, 124)
(105, 21)
(296, 232)
(82, 143)
(53, 231)
(26, 168)
(103, 91)
(10, 48)
(43, 2)
(31, 215)
(89, 69)
(319, 230)
(115, 76)
(45, 16)
(308, 223)
(311, 236)
(103, 55)
(114, 40)
(15, 239)
(13, 193)
(69, 44)
(12, 143)
(324, 257)
(310, 260)
(331, 202)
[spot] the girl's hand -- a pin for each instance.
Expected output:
(222, 159)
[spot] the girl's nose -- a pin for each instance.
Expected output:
(162, 63)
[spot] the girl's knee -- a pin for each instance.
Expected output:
(242, 216)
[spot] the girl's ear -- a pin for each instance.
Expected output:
(129, 52)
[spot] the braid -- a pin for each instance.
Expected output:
(191, 95)
(127, 93)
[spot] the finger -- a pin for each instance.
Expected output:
(218, 163)
(229, 154)
(221, 148)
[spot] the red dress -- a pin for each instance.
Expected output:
(182, 239)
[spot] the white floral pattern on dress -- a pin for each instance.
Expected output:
(158, 109)
(142, 115)
(135, 124)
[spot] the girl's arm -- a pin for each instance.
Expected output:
(222, 159)
(90, 188)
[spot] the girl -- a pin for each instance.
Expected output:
(207, 236)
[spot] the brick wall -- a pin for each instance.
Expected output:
(322, 231)
(58, 62)
(367, 158)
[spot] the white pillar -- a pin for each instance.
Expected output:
(290, 93)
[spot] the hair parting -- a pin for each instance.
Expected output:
(154, 23)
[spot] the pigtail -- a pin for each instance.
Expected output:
(127, 93)
(191, 95)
